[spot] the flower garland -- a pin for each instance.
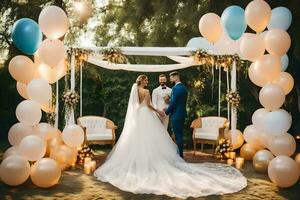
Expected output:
(70, 98)
(84, 152)
(114, 55)
(223, 148)
(233, 98)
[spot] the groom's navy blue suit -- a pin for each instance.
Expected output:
(177, 113)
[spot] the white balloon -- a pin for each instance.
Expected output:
(40, 91)
(53, 22)
(200, 42)
(17, 132)
(277, 122)
(14, 150)
(22, 90)
(284, 62)
(258, 117)
(281, 18)
(32, 147)
(52, 52)
(45, 131)
(225, 45)
(29, 112)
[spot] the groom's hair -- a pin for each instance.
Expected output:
(175, 73)
(162, 75)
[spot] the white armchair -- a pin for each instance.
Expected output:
(208, 130)
(98, 130)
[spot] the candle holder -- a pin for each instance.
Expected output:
(239, 162)
(229, 161)
(232, 155)
(87, 168)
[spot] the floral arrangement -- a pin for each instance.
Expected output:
(223, 148)
(233, 98)
(167, 99)
(70, 98)
(201, 57)
(51, 118)
(84, 152)
(114, 55)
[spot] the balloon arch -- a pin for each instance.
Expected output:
(266, 137)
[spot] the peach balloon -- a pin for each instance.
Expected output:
(40, 91)
(14, 150)
(285, 81)
(45, 131)
(283, 171)
(265, 70)
(54, 22)
(53, 143)
(14, 170)
(253, 136)
(73, 135)
(261, 160)
(32, 147)
(45, 173)
(258, 117)
(248, 50)
(29, 112)
(48, 108)
(283, 144)
(17, 132)
(51, 75)
(210, 27)
(277, 42)
(22, 90)
(297, 159)
(64, 155)
(22, 69)
(52, 52)
(277, 122)
(237, 139)
(247, 151)
(258, 14)
(272, 97)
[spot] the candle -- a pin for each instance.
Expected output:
(93, 165)
(239, 162)
(87, 160)
(232, 155)
(229, 162)
(87, 168)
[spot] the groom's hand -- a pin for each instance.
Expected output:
(161, 113)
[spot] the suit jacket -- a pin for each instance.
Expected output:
(177, 107)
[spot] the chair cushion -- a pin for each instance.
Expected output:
(207, 133)
(93, 122)
(99, 134)
(213, 122)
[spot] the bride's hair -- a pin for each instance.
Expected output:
(140, 78)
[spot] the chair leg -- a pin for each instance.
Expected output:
(201, 147)
(194, 147)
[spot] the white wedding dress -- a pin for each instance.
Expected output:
(145, 161)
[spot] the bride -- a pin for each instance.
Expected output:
(145, 158)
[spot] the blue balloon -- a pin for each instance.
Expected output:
(27, 35)
(234, 22)
(281, 18)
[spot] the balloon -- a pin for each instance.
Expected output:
(52, 52)
(248, 50)
(284, 62)
(22, 69)
(285, 81)
(14, 150)
(51, 75)
(200, 42)
(45, 131)
(261, 160)
(258, 117)
(210, 27)
(283, 171)
(264, 70)
(14, 170)
(48, 108)
(258, 14)
(54, 142)
(32, 147)
(17, 132)
(45, 173)
(281, 18)
(252, 136)
(271, 96)
(225, 45)
(29, 112)
(277, 122)
(297, 159)
(283, 144)
(22, 90)
(40, 91)
(54, 22)
(247, 151)
(237, 139)
(26, 35)
(64, 155)
(73, 135)
(277, 42)
(233, 21)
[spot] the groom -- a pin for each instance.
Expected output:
(177, 109)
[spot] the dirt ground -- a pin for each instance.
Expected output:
(74, 184)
